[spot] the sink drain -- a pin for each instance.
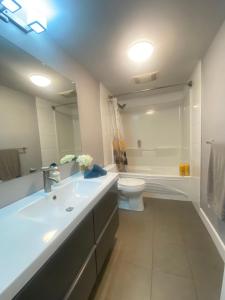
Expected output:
(70, 208)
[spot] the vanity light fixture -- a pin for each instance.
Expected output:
(40, 80)
(11, 5)
(37, 27)
(36, 21)
(150, 112)
(25, 15)
(140, 51)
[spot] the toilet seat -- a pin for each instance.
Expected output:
(131, 184)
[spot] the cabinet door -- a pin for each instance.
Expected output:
(86, 280)
(103, 210)
(106, 241)
(55, 278)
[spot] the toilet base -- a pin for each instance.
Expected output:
(131, 203)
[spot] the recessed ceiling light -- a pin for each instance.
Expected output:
(150, 112)
(40, 80)
(140, 51)
(195, 106)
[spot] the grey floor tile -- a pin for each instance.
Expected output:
(198, 239)
(207, 273)
(168, 234)
(170, 287)
(124, 281)
(136, 251)
(171, 258)
(166, 247)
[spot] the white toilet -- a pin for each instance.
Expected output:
(131, 193)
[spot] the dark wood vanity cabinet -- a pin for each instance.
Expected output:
(72, 270)
(106, 241)
(106, 220)
(103, 211)
(54, 279)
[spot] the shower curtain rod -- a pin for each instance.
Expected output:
(189, 83)
(59, 105)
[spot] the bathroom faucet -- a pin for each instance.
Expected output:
(48, 180)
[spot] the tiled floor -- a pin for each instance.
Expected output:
(164, 253)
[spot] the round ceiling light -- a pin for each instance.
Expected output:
(40, 80)
(140, 51)
(150, 112)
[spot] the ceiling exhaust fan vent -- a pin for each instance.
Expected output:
(145, 78)
(68, 94)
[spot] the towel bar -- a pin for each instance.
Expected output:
(22, 150)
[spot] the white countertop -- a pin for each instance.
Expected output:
(28, 242)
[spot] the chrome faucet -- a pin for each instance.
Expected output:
(48, 180)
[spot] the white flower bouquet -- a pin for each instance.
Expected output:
(84, 161)
(67, 158)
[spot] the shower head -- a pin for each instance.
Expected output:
(122, 106)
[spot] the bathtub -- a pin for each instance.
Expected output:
(161, 182)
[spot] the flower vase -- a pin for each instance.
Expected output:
(84, 169)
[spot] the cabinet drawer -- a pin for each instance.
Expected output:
(103, 210)
(86, 280)
(106, 241)
(54, 279)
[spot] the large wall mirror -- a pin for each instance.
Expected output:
(39, 121)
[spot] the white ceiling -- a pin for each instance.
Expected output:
(98, 32)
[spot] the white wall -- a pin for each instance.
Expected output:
(107, 133)
(19, 127)
(47, 132)
(185, 126)
(43, 48)
(213, 115)
(195, 134)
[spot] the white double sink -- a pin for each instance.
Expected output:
(32, 228)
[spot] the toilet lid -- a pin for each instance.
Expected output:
(131, 182)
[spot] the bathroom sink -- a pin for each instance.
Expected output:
(86, 188)
(61, 202)
(43, 210)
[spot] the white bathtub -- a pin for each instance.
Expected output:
(161, 182)
(159, 171)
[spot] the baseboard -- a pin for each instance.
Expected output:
(165, 196)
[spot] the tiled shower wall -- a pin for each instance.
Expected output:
(164, 135)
